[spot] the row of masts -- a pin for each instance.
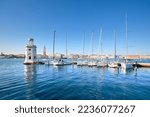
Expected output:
(31, 55)
(92, 44)
(92, 63)
(84, 36)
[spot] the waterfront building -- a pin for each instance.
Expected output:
(30, 52)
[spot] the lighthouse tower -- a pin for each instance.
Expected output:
(30, 52)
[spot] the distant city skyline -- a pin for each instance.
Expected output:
(37, 19)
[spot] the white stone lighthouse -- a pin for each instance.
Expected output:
(30, 52)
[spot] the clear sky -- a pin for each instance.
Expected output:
(22, 19)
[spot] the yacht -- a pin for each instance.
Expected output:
(126, 64)
(82, 62)
(92, 63)
(66, 62)
(57, 62)
(101, 62)
(114, 64)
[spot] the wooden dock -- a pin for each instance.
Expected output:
(141, 64)
(144, 64)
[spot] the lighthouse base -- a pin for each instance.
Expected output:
(31, 63)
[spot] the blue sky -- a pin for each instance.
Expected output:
(22, 19)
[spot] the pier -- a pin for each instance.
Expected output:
(141, 64)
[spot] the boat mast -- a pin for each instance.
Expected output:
(54, 45)
(100, 43)
(91, 45)
(83, 43)
(92, 42)
(115, 45)
(66, 45)
(126, 37)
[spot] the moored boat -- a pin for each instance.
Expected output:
(92, 63)
(57, 62)
(82, 63)
(102, 64)
(113, 65)
(126, 64)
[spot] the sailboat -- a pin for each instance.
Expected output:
(82, 62)
(101, 62)
(92, 63)
(126, 64)
(114, 64)
(56, 62)
(66, 62)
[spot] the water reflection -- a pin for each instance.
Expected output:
(102, 72)
(58, 68)
(29, 72)
(114, 71)
(127, 71)
(18, 81)
(30, 80)
(135, 71)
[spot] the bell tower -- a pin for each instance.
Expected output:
(44, 53)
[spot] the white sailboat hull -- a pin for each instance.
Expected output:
(102, 64)
(67, 63)
(113, 65)
(57, 62)
(91, 64)
(82, 63)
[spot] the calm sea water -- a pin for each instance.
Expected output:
(42, 82)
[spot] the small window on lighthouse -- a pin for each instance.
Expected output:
(29, 57)
(29, 49)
